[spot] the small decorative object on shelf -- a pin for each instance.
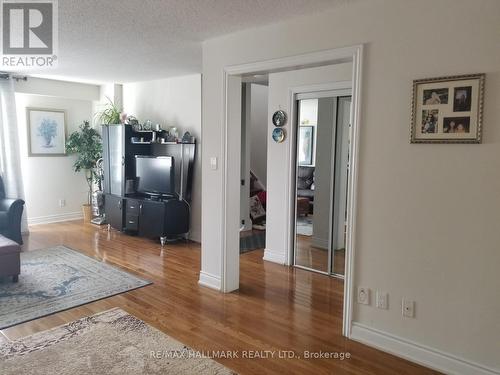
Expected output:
(187, 138)
(170, 137)
(279, 118)
(157, 128)
(148, 125)
(174, 132)
(131, 120)
(123, 118)
(279, 135)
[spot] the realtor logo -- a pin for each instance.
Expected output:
(29, 33)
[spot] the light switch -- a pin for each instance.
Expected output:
(213, 163)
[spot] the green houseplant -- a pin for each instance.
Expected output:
(86, 143)
(110, 115)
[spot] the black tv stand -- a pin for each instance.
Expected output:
(164, 219)
(147, 215)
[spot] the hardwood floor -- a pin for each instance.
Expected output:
(276, 308)
(315, 258)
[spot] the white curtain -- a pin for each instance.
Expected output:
(10, 157)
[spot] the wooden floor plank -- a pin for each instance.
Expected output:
(276, 307)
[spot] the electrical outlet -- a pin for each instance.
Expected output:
(363, 295)
(408, 308)
(382, 300)
(62, 203)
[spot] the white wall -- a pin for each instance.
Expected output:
(49, 179)
(428, 215)
(172, 102)
(258, 130)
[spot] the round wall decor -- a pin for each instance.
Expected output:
(279, 135)
(279, 118)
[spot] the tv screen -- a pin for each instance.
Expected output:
(155, 174)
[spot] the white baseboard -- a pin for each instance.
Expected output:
(55, 218)
(271, 256)
(210, 281)
(417, 353)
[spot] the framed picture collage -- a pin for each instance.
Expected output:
(447, 109)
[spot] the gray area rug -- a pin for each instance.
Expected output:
(57, 279)
(112, 342)
(305, 225)
(254, 241)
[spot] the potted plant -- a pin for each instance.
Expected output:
(110, 115)
(87, 145)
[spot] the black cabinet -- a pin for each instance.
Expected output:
(146, 217)
(152, 219)
(114, 211)
(118, 154)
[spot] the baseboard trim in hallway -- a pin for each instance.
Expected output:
(273, 257)
(210, 281)
(417, 353)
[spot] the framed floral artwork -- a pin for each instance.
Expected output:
(46, 132)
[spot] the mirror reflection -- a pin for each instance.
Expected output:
(321, 182)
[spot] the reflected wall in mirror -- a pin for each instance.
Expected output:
(321, 183)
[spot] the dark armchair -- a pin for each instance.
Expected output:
(305, 185)
(11, 211)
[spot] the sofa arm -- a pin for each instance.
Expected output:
(14, 209)
(11, 205)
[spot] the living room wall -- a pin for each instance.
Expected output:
(47, 180)
(428, 222)
(172, 102)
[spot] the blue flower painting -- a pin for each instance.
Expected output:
(47, 131)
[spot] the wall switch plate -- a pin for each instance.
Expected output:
(382, 300)
(62, 203)
(408, 308)
(213, 163)
(363, 295)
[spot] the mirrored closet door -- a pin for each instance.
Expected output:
(321, 181)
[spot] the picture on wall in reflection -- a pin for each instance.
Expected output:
(306, 145)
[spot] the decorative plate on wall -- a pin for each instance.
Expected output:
(279, 135)
(279, 118)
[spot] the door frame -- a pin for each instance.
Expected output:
(231, 145)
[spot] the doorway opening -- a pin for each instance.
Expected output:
(230, 139)
(254, 126)
(322, 126)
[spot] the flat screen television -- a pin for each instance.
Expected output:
(155, 174)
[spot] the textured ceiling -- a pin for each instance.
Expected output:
(133, 40)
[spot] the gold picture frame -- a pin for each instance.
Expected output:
(448, 109)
